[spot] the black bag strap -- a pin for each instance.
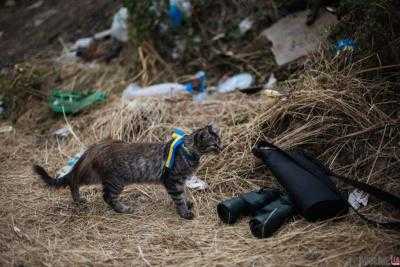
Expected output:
(372, 190)
(376, 192)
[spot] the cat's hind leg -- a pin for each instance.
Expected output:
(111, 192)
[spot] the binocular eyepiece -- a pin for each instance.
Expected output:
(231, 209)
(269, 208)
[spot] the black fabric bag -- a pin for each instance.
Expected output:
(310, 187)
(308, 190)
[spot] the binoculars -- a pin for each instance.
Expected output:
(269, 208)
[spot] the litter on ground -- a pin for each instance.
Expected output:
(196, 86)
(196, 183)
(62, 132)
(292, 39)
(6, 129)
(209, 133)
(70, 102)
(240, 81)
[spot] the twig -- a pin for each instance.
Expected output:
(370, 129)
(378, 68)
(141, 255)
(377, 154)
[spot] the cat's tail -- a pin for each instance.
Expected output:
(50, 181)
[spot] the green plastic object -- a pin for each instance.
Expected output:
(71, 102)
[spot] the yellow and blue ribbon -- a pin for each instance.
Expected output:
(178, 136)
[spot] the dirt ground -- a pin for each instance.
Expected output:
(35, 28)
(42, 227)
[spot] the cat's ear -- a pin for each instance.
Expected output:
(212, 127)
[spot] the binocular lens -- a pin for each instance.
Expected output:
(230, 209)
(270, 218)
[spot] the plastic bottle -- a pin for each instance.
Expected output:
(197, 87)
(134, 90)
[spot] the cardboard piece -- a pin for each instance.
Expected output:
(292, 38)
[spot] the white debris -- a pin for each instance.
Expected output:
(119, 27)
(237, 82)
(272, 93)
(103, 34)
(358, 198)
(168, 89)
(82, 43)
(245, 25)
(271, 82)
(6, 129)
(62, 132)
(196, 183)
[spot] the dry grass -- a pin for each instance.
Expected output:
(340, 118)
(350, 123)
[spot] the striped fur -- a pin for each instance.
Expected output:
(115, 164)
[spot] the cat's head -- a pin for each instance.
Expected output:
(207, 140)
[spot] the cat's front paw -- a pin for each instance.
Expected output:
(188, 215)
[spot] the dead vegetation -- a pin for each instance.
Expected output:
(348, 121)
(344, 120)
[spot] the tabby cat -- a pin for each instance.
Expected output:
(115, 164)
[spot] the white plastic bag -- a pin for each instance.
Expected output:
(237, 82)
